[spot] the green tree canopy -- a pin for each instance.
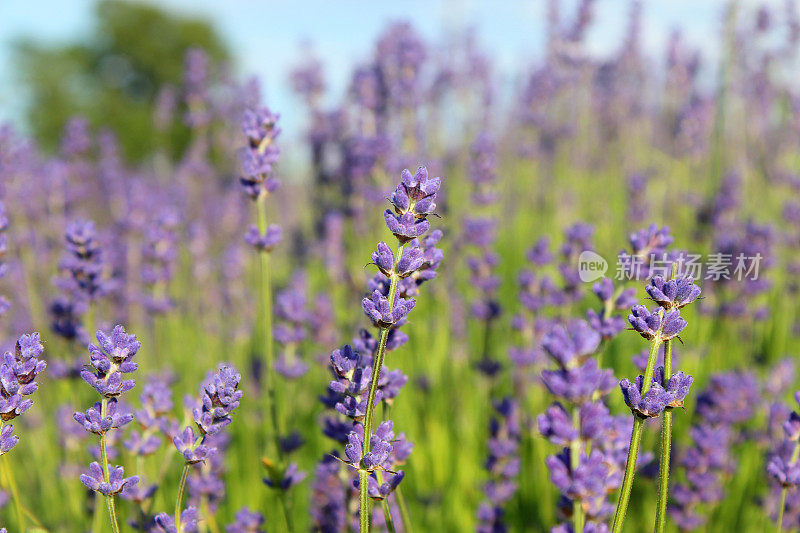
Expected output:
(113, 75)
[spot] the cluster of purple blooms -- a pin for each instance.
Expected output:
(82, 283)
(258, 181)
(480, 232)
(202, 452)
(393, 289)
(291, 328)
(18, 372)
(658, 391)
(592, 456)
(502, 463)
(578, 238)
(352, 147)
(648, 247)
(110, 359)
(83, 265)
(662, 323)
(159, 252)
(542, 297)
(605, 321)
(90, 177)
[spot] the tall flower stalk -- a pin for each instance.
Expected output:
(110, 360)
(258, 182)
(18, 371)
(352, 369)
(782, 465)
(375, 456)
(220, 396)
(666, 449)
(658, 390)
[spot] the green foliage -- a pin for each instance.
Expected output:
(112, 75)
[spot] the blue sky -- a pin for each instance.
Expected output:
(267, 35)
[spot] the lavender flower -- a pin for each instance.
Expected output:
(83, 265)
(360, 381)
(556, 425)
(110, 360)
(587, 482)
(667, 325)
(166, 524)
(579, 384)
(220, 397)
(18, 372)
(785, 472)
(95, 480)
(381, 462)
(656, 398)
(266, 241)
(246, 521)
(291, 477)
(674, 293)
(187, 445)
(647, 245)
(260, 127)
(7, 439)
(94, 422)
(413, 200)
(571, 345)
(382, 313)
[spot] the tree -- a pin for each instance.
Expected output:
(113, 76)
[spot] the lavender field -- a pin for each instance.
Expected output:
(439, 298)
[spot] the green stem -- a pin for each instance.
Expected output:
(12, 484)
(377, 364)
(387, 513)
(780, 511)
(266, 311)
(97, 517)
(270, 397)
(179, 498)
(404, 515)
(287, 515)
(784, 490)
(630, 467)
(363, 502)
(636, 439)
(666, 444)
(112, 511)
(574, 458)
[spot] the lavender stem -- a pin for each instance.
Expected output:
(112, 511)
(179, 499)
(387, 513)
(12, 484)
(666, 445)
(574, 457)
(363, 475)
(269, 349)
(636, 439)
(404, 515)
